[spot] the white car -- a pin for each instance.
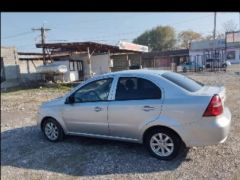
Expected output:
(161, 109)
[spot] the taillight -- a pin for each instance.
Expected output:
(215, 107)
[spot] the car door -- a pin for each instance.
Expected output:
(88, 113)
(137, 101)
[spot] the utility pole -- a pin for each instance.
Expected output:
(215, 22)
(42, 30)
(214, 32)
(239, 21)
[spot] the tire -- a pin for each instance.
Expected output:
(184, 69)
(174, 142)
(52, 130)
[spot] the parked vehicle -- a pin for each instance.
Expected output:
(192, 66)
(161, 109)
(216, 63)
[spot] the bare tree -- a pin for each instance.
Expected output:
(229, 26)
(185, 37)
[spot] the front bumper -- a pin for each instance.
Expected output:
(208, 131)
(39, 118)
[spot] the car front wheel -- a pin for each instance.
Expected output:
(52, 130)
(163, 144)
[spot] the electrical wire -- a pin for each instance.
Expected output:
(102, 38)
(17, 35)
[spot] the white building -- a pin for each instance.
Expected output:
(207, 49)
(222, 49)
(233, 47)
(86, 59)
(10, 73)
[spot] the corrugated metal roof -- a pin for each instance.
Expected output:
(37, 56)
(82, 46)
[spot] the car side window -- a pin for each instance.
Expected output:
(94, 91)
(132, 88)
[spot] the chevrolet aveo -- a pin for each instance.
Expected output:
(161, 109)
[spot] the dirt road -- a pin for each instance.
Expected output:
(25, 154)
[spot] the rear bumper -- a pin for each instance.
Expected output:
(208, 131)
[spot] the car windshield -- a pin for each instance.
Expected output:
(183, 81)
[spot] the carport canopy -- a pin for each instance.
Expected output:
(83, 47)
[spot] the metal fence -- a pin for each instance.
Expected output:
(210, 61)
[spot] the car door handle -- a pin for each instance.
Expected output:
(97, 109)
(148, 108)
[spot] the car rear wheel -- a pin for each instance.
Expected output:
(163, 144)
(52, 130)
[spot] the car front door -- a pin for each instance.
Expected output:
(88, 113)
(137, 101)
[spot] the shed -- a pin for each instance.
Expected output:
(84, 59)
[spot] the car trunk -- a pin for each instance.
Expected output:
(212, 90)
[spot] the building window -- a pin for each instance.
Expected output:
(71, 66)
(79, 66)
(231, 55)
(76, 65)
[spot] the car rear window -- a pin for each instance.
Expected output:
(183, 81)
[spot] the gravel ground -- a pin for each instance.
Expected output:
(25, 154)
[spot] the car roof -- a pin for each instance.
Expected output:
(138, 72)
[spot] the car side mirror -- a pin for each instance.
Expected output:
(70, 100)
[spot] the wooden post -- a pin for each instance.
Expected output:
(154, 62)
(140, 62)
(89, 63)
(127, 62)
(109, 54)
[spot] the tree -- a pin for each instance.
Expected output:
(229, 26)
(185, 37)
(208, 37)
(159, 38)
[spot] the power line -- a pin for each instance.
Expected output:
(17, 35)
(100, 38)
(26, 45)
(133, 32)
(191, 19)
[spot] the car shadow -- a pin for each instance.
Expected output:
(27, 148)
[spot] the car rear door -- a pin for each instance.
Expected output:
(136, 102)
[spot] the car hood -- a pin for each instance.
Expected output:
(54, 102)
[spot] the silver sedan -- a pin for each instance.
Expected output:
(161, 109)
